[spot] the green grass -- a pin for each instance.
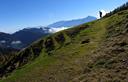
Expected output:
(42, 61)
(64, 55)
(71, 59)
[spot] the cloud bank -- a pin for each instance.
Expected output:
(53, 30)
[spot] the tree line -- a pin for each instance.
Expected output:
(123, 7)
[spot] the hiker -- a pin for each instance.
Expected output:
(100, 13)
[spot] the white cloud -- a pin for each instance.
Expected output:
(53, 30)
(2, 41)
(16, 42)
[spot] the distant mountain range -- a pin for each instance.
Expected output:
(71, 23)
(29, 35)
(26, 36)
(6, 40)
(22, 38)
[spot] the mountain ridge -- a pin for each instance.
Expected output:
(71, 23)
(22, 38)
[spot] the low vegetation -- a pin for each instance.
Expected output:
(93, 52)
(121, 8)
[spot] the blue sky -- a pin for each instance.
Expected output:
(18, 14)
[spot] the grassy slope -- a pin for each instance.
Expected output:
(72, 60)
(109, 62)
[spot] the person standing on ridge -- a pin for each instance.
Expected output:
(100, 13)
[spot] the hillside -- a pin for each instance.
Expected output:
(93, 52)
(6, 54)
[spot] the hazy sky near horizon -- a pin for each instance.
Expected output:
(19, 14)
